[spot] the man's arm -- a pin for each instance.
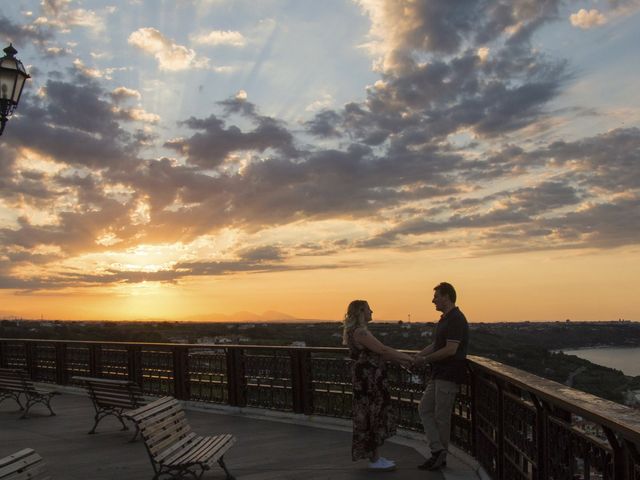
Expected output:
(366, 339)
(449, 350)
(426, 350)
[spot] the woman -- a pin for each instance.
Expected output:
(373, 421)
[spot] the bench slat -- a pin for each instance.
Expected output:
(150, 429)
(104, 381)
(160, 457)
(167, 412)
(206, 450)
(171, 434)
(150, 409)
(22, 465)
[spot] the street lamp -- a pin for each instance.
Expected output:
(12, 78)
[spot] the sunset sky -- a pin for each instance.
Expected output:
(193, 159)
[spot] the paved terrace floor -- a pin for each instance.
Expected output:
(265, 449)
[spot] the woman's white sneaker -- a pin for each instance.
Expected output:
(382, 465)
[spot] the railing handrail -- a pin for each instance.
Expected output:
(619, 417)
(190, 345)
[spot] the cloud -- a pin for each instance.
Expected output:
(214, 142)
(322, 103)
(402, 28)
(23, 34)
(59, 14)
(73, 122)
(219, 37)
(325, 124)
(586, 19)
(121, 94)
(170, 55)
(137, 115)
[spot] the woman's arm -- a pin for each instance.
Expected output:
(366, 339)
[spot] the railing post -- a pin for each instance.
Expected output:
(542, 442)
(633, 457)
(473, 391)
(95, 360)
(30, 359)
(236, 380)
(61, 363)
(181, 385)
(500, 430)
(301, 381)
(3, 355)
(134, 364)
(620, 470)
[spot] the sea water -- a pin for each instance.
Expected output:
(626, 359)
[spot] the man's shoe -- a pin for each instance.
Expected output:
(437, 460)
(382, 465)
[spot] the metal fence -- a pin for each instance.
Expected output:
(517, 425)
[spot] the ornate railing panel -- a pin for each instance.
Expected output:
(44, 359)
(208, 380)
(268, 379)
(14, 354)
(78, 361)
(157, 370)
(517, 425)
(331, 384)
(114, 362)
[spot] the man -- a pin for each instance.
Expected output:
(447, 356)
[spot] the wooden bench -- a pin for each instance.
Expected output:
(112, 397)
(15, 382)
(174, 450)
(22, 465)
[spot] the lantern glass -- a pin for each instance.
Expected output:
(12, 78)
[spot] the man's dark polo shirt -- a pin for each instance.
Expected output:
(452, 326)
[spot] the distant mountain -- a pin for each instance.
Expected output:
(268, 316)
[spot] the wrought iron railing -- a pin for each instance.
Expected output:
(517, 425)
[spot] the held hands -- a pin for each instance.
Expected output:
(418, 361)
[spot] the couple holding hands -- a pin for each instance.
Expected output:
(373, 419)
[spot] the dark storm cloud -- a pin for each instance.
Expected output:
(214, 141)
(543, 213)
(22, 34)
(610, 160)
(325, 124)
(262, 254)
(436, 82)
(74, 124)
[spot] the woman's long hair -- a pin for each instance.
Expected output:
(354, 318)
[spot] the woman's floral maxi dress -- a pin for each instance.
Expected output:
(373, 420)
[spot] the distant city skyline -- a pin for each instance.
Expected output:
(178, 159)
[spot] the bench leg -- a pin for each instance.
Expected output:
(3, 397)
(224, 467)
(96, 420)
(177, 473)
(124, 425)
(27, 406)
(48, 401)
(135, 435)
